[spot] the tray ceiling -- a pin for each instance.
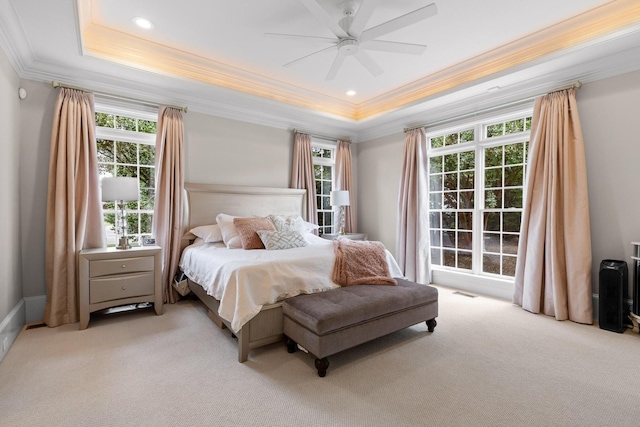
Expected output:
(214, 56)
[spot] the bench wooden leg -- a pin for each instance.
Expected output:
(431, 324)
(321, 366)
(292, 346)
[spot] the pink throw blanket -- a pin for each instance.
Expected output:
(360, 263)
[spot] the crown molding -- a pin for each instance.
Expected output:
(13, 39)
(607, 20)
(115, 46)
(198, 97)
(518, 86)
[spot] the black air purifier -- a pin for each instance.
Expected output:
(636, 288)
(612, 295)
(636, 278)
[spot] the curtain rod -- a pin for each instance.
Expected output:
(575, 85)
(328, 138)
(56, 84)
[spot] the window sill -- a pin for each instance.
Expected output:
(481, 285)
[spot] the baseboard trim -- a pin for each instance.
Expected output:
(35, 308)
(11, 327)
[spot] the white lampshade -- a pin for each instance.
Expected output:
(339, 198)
(120, 188)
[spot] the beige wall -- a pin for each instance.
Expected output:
(378, 177)
(609, 110)
(217, 150)
(231, 152)
(35, 140)
(10, 259)
(224, 151)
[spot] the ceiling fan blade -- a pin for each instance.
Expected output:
(362, 17)
(322, 16)
(300, 37)
(368, 63)
(326, 49)
(395, 47)
(337, 63)
(400, 22)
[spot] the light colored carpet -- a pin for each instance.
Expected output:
(488, 363)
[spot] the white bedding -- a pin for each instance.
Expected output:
(245, 280)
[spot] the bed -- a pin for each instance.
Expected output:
(245, 305)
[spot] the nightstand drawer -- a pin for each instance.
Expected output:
(104, 267)
(120, 287)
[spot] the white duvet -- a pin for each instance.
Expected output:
(246, 280)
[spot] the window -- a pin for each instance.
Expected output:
(126, 147)
(476, 192)
(323, 168)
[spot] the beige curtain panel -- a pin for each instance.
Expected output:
(302, 175)
(412, 248)
(553, 273)
(74, 212)
(167, 212)
(344, 181)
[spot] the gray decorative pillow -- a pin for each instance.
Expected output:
(275, 240)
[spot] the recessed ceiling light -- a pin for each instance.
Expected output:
(143, 23)
(351, 92)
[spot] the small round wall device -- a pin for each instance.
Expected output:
(22, 93)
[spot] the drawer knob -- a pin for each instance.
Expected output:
(124, 266)
(124, 288)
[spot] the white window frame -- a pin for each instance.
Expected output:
(476, 281)
(315, 143)
(119, 108)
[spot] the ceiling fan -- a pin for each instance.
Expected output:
(352, 39)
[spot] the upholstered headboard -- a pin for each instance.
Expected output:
(203, 202)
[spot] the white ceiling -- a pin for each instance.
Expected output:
(213, 56)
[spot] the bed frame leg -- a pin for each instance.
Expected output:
(292, 346)
(431, 324)
(243, 345)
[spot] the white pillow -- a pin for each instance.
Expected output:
(230, 235)
(292, 223)
(309, 227)
(276, 240)
(208, 233)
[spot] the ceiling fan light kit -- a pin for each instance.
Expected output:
(352, 39)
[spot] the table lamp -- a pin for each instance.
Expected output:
(120, 190)
(340, 198)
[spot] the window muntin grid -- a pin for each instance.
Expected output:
(126, 147)
(465, 203)
(503, 202)
(323, 157)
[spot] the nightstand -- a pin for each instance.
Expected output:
(350, 236)
(111, 277)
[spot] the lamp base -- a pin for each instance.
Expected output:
(123, 243)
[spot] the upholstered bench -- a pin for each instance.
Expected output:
(328, 322)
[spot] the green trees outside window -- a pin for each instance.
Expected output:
(323, 168)
(126, 147)
(476, 195)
